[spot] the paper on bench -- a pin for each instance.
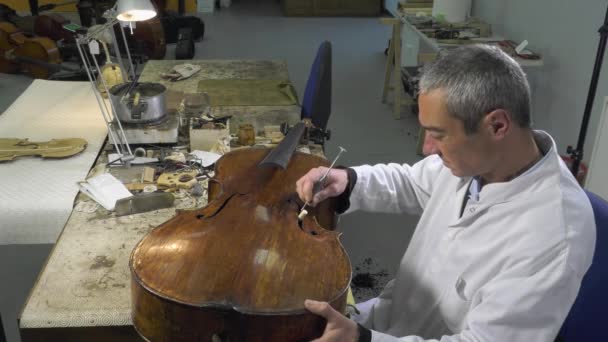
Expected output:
(104, 189)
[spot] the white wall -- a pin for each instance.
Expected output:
(596, 180)
(565, 33)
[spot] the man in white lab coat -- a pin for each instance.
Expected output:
(505, 234)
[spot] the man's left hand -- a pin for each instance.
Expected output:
(339, 328)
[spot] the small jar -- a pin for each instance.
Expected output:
(246, 135)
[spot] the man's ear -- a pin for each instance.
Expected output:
(498, 123)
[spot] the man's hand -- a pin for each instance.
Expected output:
(339, 328)
(335, 184)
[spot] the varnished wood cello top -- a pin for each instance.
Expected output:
(245, 250)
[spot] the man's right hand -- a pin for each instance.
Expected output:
(335, 184)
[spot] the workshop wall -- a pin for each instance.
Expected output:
(566, 34)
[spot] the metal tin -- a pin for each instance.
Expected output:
(145, 103)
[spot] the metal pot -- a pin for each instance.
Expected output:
(145, 102)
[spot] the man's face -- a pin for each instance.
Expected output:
(465, 155)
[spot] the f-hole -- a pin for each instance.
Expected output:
(301, 222)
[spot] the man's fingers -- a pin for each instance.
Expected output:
(304, 188)
(320, 196)
(322, 309)
(300, 188)
(304, 185)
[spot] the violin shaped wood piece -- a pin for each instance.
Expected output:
(56, 148)
(241, 267)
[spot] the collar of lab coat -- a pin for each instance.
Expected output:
(545, 173)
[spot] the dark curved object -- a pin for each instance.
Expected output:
(316, 104)
(2, 335)
(587, 318)
(184, 49)
(86, 12)
(7, 13)
(34, 7)
(280, 156)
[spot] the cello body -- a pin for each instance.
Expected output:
(10, 38)
(240, 268)
(36, 56)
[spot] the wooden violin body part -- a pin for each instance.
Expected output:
(56, 148)
(240, 268)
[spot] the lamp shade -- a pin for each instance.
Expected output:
(135, 10)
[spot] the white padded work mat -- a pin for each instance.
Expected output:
(37, 195)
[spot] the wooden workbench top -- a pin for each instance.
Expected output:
(83, 291)
(214, 69)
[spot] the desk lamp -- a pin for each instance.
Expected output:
(124, 11)
(135, 10)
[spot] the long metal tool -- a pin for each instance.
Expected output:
(320, 184)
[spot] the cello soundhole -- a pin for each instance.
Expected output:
(311, 232)
(200, 216)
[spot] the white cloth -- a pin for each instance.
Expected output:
(507, 270)
(37, 195)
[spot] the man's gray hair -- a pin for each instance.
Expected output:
(478, 79)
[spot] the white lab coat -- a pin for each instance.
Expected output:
(508, 270)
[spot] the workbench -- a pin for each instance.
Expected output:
(229, 69)
(83, 290)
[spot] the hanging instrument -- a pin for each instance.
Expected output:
(109, 72)
(38, 56)
(148, 38)
(240, 268)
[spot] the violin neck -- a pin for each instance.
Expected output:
(280, 155)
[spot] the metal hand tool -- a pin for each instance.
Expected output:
(319, 184)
